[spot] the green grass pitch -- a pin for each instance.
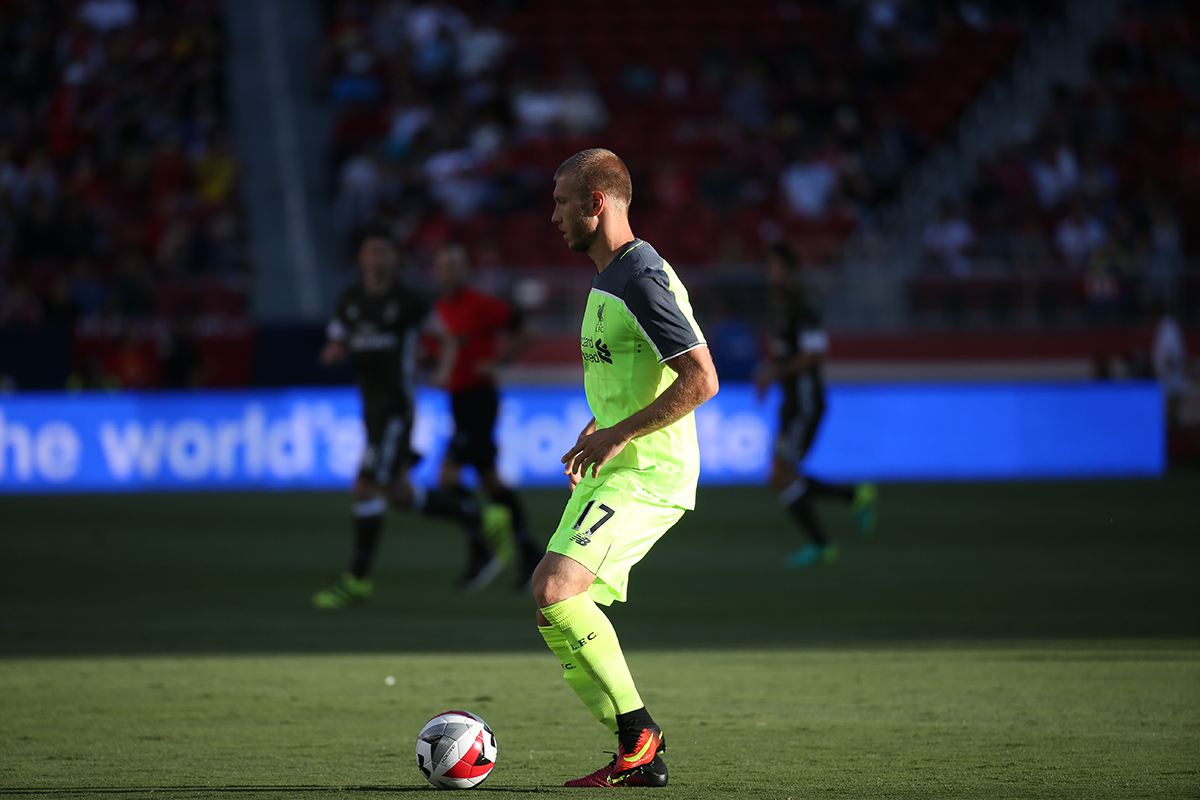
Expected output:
(1007, 640)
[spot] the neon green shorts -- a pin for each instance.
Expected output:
(608, 527)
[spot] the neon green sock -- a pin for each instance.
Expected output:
(580, 682)
(593, 644)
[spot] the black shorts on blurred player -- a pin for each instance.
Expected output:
(796, 434)
(389, 434)
(475, 413)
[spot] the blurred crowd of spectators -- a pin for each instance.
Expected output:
(118, 203)
(742, 122)
(1099, 204)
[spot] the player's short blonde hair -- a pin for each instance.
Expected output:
(600, 170)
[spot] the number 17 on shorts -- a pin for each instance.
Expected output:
(609, 527)
(584, 537)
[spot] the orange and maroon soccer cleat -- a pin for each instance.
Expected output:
(643, 767)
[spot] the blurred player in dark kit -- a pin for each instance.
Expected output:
(482, 333)
(377, 323)
(799, 345)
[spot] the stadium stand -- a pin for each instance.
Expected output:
(1093, 212)
(119, 212)
(788, 118)
(743, 123)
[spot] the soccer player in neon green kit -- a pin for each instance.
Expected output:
(633, 470)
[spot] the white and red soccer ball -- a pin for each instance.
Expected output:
(456, 750)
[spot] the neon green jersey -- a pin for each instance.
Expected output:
(638, 316)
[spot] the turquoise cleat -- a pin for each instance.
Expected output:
(811, 555)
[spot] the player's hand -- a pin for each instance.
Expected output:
(594, 450)
(333, 353)
(763, 378)
(573, 478)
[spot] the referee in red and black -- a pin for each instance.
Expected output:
(484, 333)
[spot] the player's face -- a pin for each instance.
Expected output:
(573, 215)
(378, 257)
(450, 271)
(778, 275)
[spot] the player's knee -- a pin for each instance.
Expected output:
(548, 593)
(551, 585)
(548, 586)
(364, 490)
(540, 583)
(781, 475)
(450, 475)
(400, 495)
(492, 484)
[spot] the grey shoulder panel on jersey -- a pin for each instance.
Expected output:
(652, 303)
(638, 279)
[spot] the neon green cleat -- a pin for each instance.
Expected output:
(811, 555)
(348, 591)
(498, 531)
(865, 497)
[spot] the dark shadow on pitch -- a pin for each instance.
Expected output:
(233, 574)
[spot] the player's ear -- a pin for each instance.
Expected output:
(598, 202)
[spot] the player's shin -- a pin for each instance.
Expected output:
(447, 504)
(578, 679)
(482, 563)
(797, 499)
(368, 525)
(593, 644)
(509, 499)
(835, 490)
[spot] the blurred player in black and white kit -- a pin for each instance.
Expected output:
(377, 323)
(799, 345)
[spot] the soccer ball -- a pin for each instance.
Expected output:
(456, 750)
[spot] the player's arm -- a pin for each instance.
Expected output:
(695, 383)
(447, 350)
(573, 478)
(814, 346)
(336, 349)
(334, 352)
(520, 337)
(519, 340)
(790, 368)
